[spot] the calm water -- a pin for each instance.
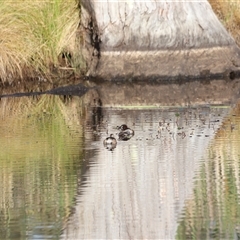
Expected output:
(178, 177)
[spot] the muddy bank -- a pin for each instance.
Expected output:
(42, 85)
(193, 63)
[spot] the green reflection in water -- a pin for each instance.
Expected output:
(214, 210)
(41, 153)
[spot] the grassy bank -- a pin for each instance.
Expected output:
(228, 13)
(36, 37)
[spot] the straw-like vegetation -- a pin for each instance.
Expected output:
(228, 12)
(36, 37)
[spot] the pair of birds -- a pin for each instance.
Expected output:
(124, 135)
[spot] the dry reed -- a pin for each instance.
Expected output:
(228, 12)
(39, 37)
(33, 34)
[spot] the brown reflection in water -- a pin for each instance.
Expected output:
(214, 209)
(175, 94)
(127, 191)
(138, 190)
(151, 93)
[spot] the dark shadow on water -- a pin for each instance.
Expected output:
(74, 90)
(150, 93)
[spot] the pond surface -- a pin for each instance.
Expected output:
(178, 177)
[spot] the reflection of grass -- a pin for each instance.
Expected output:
(29, 120)
(214, 211)
(40, 157)
(34, 34)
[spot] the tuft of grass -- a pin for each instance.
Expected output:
(35, 35)
(228, 12)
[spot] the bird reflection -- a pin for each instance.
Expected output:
(97, 114)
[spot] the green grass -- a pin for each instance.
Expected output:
(34, 35)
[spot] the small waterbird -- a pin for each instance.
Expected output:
(125, 133)
(110, 142)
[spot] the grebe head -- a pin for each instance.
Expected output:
(125, 133)
(123, 127)
(110, 142)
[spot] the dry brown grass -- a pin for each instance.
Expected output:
(228, 11)
(33, 34)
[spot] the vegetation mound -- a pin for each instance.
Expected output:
(37, 38)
